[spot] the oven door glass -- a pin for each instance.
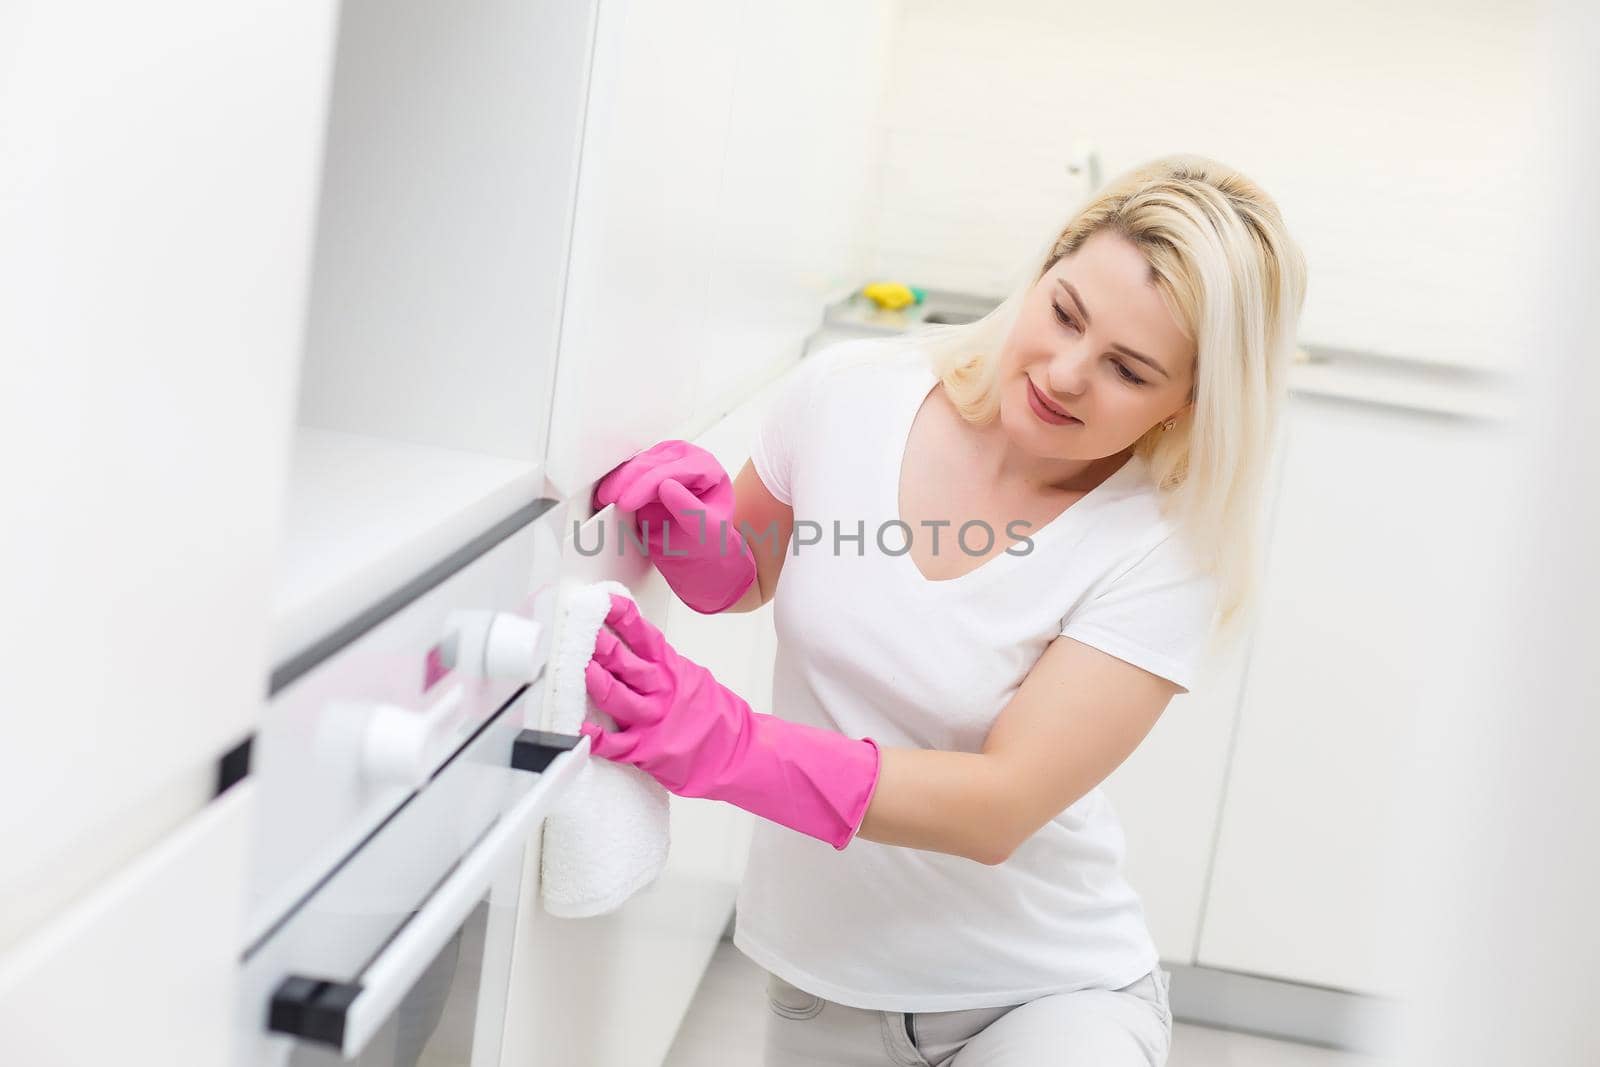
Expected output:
(402, 958)
(452, 1016)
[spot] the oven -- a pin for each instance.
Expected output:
(399, 781)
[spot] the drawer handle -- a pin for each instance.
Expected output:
(345, 1015)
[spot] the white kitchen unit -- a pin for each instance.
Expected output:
(416, 587)
(575, 980)
(141, 971)
(721, 201)
(431, 398)
(722, 198)
(973, 178)
(349, 739)
(400, 953)
(1373, 591)
(1267, 813)
(157, 205)
(442, 238)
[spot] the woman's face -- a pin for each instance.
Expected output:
(1094, 341)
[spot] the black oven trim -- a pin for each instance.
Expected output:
(302, 663)
(355, 850)
(316, 1009)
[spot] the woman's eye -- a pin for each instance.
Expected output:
(1122, 369)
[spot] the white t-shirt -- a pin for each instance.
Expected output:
(869, 647)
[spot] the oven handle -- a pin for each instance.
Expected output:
(345, 1015)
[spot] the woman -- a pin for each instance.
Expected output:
(1036, 522)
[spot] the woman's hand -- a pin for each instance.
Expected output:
(700, 739)
(672, 716)
(682, 503)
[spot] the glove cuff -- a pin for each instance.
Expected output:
(711, 584)
(815, 781)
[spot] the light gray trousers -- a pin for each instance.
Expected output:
(1127, 1027)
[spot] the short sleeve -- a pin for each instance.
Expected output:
(781, 433)
(1157, 615)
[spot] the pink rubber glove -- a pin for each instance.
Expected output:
(683, 500)
(699, 739)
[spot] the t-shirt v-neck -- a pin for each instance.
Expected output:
(868, 647)
(899, 448)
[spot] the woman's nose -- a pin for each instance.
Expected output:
(1067, 372)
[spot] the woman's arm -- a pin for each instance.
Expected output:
(1077, 715)
(765, 522)
(1073, 720)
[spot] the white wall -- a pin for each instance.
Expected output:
(1396, 137)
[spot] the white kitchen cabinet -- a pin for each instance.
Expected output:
(142, 971)
(156, 201)
(610, 990)
(443, 229)
(573, 979)
(723, 198)
(652, 156)
(1373, 591)
(431, 348)
(711, 839)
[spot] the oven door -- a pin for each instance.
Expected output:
(401, 955)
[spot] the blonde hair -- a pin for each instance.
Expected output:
(1235, 281)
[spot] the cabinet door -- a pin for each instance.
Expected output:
(572, 979)
(724, 190)
(142, 972)
(448, 176)
(650, 953)
(1372, 587)
(660, 86)
(157, 204)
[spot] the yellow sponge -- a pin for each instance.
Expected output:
(890, 295)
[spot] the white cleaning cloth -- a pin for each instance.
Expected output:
(609, 837)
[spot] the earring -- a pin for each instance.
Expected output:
(1168, 424)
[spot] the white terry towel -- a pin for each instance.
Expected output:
(609, 837)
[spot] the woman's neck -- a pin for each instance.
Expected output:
(1013, 469)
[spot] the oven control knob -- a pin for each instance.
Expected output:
(403, 744)
(498, 645)
(512, 652)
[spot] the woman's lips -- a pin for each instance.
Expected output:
(1042, 408)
